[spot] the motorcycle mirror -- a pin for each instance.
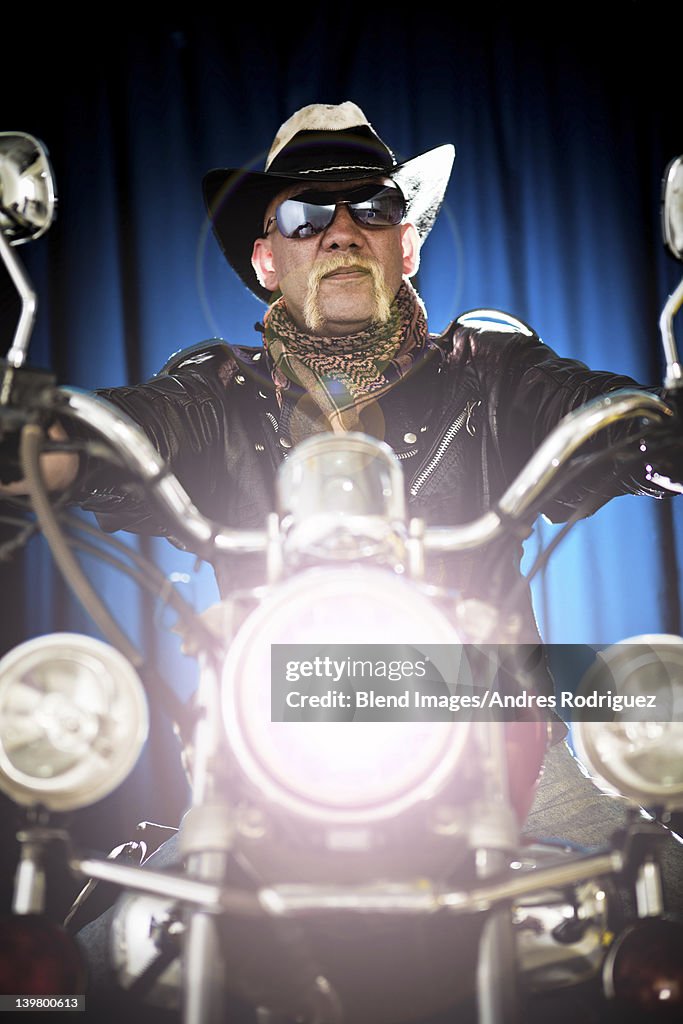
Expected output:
(672, 230)
(672, 207)
(27, 208)
(27, 194)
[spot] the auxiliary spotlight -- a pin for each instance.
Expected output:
(73, 720)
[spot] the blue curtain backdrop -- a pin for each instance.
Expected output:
(563, 126)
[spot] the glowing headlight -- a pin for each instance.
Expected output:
(639, 752)
(342, 770)
(73, 720)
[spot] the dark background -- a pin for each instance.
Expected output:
(563, 118)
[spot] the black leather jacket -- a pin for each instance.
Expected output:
(462, 423)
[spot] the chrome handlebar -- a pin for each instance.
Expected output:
(578, 427)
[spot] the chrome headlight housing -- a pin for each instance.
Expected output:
(638, 752)
(73, 721)
(341, 498)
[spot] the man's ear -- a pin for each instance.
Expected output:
(410, 247)
(262, 262)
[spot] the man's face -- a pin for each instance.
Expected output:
(343, 279)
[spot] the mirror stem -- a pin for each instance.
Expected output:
(16, 356)
(674, 371)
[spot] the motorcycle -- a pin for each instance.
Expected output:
(352, 849)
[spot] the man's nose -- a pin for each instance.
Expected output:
(343, 233)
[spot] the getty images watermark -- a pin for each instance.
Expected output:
(401, 682)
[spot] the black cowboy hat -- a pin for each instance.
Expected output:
(320, 142)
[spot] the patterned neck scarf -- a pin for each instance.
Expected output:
(335, 381)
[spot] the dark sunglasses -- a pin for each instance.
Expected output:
(308, 214)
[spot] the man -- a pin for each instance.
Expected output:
(329, 235)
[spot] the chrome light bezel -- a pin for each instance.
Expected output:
(610, 749)
(79, 704)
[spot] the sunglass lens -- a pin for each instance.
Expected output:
(385, 209)
(305, 217)
(297, 219)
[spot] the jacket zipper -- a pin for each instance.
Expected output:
(452, 431)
